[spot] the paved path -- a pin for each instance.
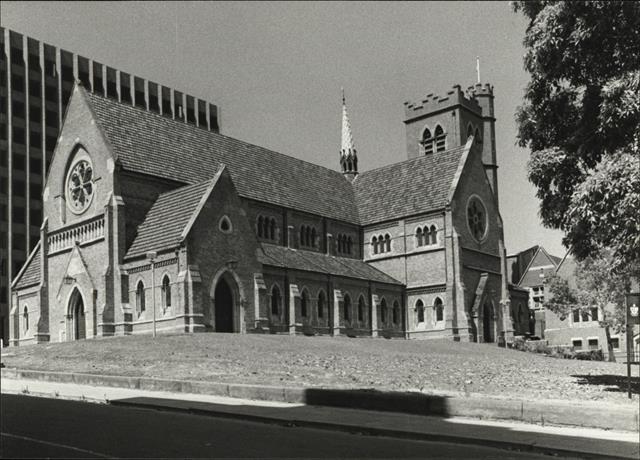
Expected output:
(543, 439)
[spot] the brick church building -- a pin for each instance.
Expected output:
(151, 223)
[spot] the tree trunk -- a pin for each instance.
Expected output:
(612, 357)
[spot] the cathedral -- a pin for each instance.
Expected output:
(153, 225)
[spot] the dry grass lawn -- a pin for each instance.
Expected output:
(433, 365)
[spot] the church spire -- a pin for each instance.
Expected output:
(348, 156)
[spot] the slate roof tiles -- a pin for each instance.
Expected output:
(31, 274)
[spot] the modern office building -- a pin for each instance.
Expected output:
(36, 80)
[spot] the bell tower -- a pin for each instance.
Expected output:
(348, 155)
(442, 122)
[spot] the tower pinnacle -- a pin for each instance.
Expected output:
(348, 156)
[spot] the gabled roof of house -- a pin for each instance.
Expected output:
(541, 263)
(406, 188)
(170, 216)
(30, 274)
(148, 143)
(280, 256)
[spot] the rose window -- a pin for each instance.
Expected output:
(80, 186)
(477, 218)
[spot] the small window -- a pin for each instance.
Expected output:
(166, 292)
(374, 244)
(576, 315)
(577, 344)
(321, 303)
(275, 301)
(225, 225)
(594, 314)
(387, 243)
(593, 344)
(419, 237)
(140, 298)
(25, 316)
(304, 302)
(615, 343)
(361, 307)
(420, 311)
(584, 315)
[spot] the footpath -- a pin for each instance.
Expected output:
(467, 419)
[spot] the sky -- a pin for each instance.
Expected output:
(275, 70)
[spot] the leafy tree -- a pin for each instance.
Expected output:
(581, 120)
(593, 284)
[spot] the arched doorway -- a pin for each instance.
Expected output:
(77, 316)
(224, 306)
(487, 323)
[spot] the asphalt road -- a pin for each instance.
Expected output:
(38, 427)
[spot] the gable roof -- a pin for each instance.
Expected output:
(170, 217)
(149, 143)
(540, 266)
(410, 187)
(29, 275)
(280, 256)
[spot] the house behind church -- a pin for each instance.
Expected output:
(153, 223)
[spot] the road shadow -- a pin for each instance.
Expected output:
(616, 383)
(385, 401)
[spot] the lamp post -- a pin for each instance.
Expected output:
(632, 318)
(151, 255)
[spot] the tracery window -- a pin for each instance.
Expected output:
(80, 186)
(345, 244)
(476, 218)
(381, 244)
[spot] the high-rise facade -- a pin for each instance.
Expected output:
(36, 80)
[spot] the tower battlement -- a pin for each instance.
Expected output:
(435, 103)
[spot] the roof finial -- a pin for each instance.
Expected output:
(478, 67)
(348, 157)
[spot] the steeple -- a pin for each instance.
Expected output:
(348, 156)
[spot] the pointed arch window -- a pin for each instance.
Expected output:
(321, 304)
(347, 308)
(25, 318)
(272, 229)
(361, 307)
(313, 237)
(387, 243)
(478, 137)
(440, 139)
(420, 311)
(427, 141)
(304, 303)
(140, 297)
(439, 309)
(166, 292)
(260, 226)
(383, 311)
(419, 237)
(374, 244)
(266, 228)
(275, 300)
(469, 130)
(433, 232)
(396, 312)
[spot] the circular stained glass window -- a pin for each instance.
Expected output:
(80, 186)
(477, 218)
